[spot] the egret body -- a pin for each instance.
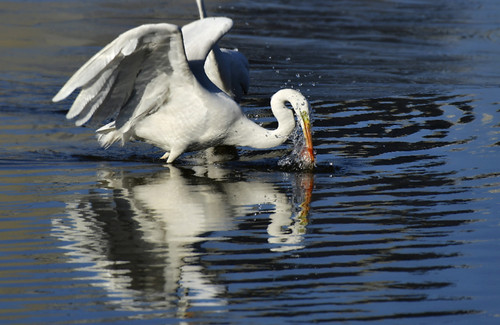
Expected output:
(144, 82)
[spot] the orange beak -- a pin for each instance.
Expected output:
(308, 152)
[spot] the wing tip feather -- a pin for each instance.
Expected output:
(61, 94)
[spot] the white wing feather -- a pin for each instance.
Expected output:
(227, 69)
(201, 35)
(133, 75)
(125, 66)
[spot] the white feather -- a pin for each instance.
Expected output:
(144, 80)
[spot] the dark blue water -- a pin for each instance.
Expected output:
(398, 224)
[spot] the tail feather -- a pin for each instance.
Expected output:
(108, 134)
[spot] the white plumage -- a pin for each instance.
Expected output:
(227, 69)
(154, 90)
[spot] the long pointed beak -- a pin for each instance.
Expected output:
(308, 151)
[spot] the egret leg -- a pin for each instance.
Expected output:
(165, 155)
(174, 153)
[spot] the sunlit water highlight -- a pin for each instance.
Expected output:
(397, 223)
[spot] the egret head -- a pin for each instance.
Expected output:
(302, 109)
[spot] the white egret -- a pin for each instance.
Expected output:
(143, 82)
(227, 69)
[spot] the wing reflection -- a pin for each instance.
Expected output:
(144, 233)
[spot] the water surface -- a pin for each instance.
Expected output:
(398, 223)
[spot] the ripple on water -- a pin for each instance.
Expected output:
(396, 223)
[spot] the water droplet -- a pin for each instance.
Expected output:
(296, 159)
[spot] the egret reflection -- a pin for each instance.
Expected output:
(144, 233)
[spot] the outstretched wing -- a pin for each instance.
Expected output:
(227, 69)
(124, 79)
(200, 36)
(131, 77)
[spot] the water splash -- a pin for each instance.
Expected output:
(297, 159)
